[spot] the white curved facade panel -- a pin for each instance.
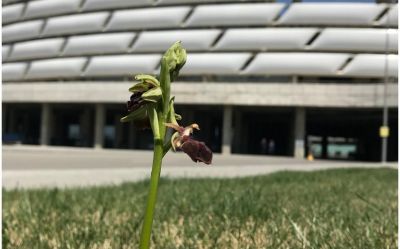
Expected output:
(332, 13)
(296, 64)
(43, 8)
(5, 52)
(218, 63)
(372, 65)
(22, 30)
(72, 24)
(391, 18)
(13, 71)
(12, 13)
(162, 40)
(148, 18)
(56, 68)
(107, 4)
(234, 14)
(353, 39)
(265, 38)
(122, 65)
(98, 44)
(37, 49)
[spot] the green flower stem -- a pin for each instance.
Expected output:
(152, 197)
(158, 113)
(165, 80)
(157, 120)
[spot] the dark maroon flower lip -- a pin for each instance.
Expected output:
(135, 102)
(197, 151)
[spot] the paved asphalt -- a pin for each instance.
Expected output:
(39, 166)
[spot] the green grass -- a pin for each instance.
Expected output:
(348, 208)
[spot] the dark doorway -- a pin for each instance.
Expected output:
(124, 135)
(266, 131)
(21, 123)
(349, 134)
(72, 125)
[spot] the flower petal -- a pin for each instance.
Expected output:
(145, 78)
(138, 114)
(140, 87)
(152, 95)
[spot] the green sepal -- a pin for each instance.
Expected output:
(138, 114)
(139, 87)
(178, 117)
(171, 113)
(152, 95)
(154, 121)
(146, 82)
(148, 79)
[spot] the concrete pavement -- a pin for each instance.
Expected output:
(38, 166)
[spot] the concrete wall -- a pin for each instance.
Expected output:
(263, 94)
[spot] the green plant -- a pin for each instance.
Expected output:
(151, 105)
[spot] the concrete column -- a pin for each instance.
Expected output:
(45, 124)
(227, 130)
(99, 126)
(299, 132)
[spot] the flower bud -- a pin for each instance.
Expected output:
(175, 57)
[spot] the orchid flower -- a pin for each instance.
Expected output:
(181, 139)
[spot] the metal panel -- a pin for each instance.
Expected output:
(5, 52)
(56, 68)
(234, 14)
(13, 71)
(296, 64)
(148, 18)
(75, 23)
(107, 4)
(122, 65)
(162, 40)
(22, 30)
(98, 44)
(37, 49)
(372, 65)
(332, 13)
(215, 63)
(355, 39)
(12, 13)
(265, 38)
(391, 18)
(51, 7)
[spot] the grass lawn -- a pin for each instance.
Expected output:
(347, 208)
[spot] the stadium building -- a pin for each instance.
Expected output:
(276, 78)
